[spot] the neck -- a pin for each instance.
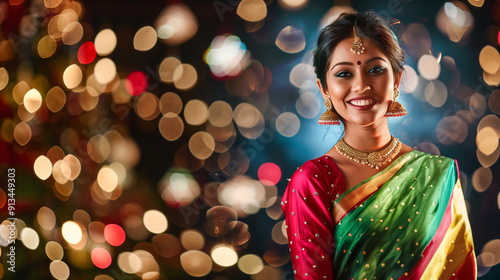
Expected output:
(367, 138)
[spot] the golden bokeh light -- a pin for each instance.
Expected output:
(455, 20)
(168, 245)
(32, 100)
(243, 194)
(145, 38)
(250, 120)
(155, 221)
(185, 76)
(19, 90)
(88, 99)
(107, 179)
(487, 140)
(54, 251)
(429, 67)
(46, 218)
(250, 264)
(436, 93)
(293, 5)
(105, 42)
(287, 124)
(494, 101)
(149, 263)
(192, 239)
(42, 167)
(171, 126)
(72, 76)
(492, 79)
(481, 179)
(201, 145)
(72, 232)
(308, 105)
(409, 80)
(333, 13)
(98, 148)
(220, 220)
(129, 262)
(22, 133)
(176, 24)
(477, 105)
(476, 3)
(302, 75)
(489, 59)
(196, 112)
(72, 33)
(492, 247)
(170, 102)
(268, 272)
(47, 46)
(30, 238)
(277, 233)
(291, 40)
(220, 114)
(224, 256)
(167, 68)
(147, 106)
(104, 70)
(52, 3)
(96, 231)
(64, 189)
(59, 270)
(252, 10)
(196, 263)
(451, 130)
(4, 77)
(74, 166)
(58, 172)
(488, 160)
(23, 114)
(55, 99)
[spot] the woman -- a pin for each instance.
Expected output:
(372, 207)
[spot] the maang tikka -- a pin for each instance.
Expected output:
(357, 46)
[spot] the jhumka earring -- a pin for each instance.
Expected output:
(396, 109)
(329, 117)
(357, 46)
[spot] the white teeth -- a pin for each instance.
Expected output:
(362, 102)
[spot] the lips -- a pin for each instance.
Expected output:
(362, 104)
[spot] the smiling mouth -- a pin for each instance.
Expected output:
(362, 102)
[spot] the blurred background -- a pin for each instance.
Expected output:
(154, 139)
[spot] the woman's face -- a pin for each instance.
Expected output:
(360, 86)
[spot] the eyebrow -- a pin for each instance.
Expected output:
(349, 63)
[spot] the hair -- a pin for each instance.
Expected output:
(368, 25)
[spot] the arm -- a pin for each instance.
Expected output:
(307, 208)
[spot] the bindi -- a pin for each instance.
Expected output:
(359, 63)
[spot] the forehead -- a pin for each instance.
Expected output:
(342, 52)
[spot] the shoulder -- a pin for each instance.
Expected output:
(435, 162)
(319, 174)
(321, 167)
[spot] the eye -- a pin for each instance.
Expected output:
(343, 74)
(376, 70)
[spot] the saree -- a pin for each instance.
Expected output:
(409, 221)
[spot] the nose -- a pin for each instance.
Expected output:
(361, 84)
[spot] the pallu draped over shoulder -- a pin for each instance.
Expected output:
(409, 221)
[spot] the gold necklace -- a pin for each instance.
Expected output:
(375, 159)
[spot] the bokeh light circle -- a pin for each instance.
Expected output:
(136, 83)
(101, 258)
(269, 173)
(59, 270)
(196, 263)
(171, 126)
(155, 221)
(224, 256)
(114, 234)
(42, 167)
(250, 264)
(105, 42)
(86, 53)
(201, 145)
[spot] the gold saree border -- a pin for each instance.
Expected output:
(356, 196)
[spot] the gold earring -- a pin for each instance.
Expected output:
(396, 109)
(329, 117)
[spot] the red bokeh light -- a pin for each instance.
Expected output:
(137, 82)
(86, 53)
(114, 234)
(499, 37)
(101, 258)
(269, 173)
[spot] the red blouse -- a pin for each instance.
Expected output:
(307, 203)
